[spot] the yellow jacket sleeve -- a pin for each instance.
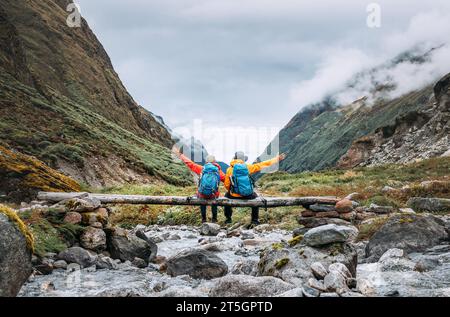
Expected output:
(227, 181)
(255, 168)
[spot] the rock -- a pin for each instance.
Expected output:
(197, 263)
(335, 282)
(248, 286)
(74, 218)
(393, 260)
(321, 208)
(180, 291)
(411, 233)
(319, 270)
(429, 204)
(349, 216)
(426, 264)
(353, 196)
(106, 263)
(97, 225)
(388, 189)
(15, 257)
(293, 264)
(341, 269)
(45, 267)
(296, 292)
(329, 295)
(352, 283)
(90, 218)
(406, 211)
(380, 209)
(310, 292)
(247, 235)
(329, 234)
(317, 222)
(392, 253)
(352, 294)
(77, 255)
(209, 229)
(174, 237)
(139, 263)
(85, 204)
(344, 206)
(127, 246)
(93, 239)
(329, 214)
(222, 235)
(247, 267)
(365, 287)
(299, 232)
(318, 285)
(60, 264)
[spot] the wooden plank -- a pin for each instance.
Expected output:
(192, 201)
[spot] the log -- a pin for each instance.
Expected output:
(191, 201)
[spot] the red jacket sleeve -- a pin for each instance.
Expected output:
(197, 169)
(222, 176)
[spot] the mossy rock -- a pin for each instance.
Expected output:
(13, 217)
(281, 263)
(294, 241)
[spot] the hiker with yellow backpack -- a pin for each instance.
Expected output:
(239, 184)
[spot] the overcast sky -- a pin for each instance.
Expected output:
(250, 63)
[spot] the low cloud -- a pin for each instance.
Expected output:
(350, 74)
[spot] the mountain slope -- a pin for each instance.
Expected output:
(319, 135)
(419, 134)
(62, 101)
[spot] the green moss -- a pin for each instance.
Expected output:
(367, 230)
(279, 264)
(13, 217)
(293, 242)
(47, 238)
(277, 246)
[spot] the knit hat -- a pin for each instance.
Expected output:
(241, 156)
(210, 159)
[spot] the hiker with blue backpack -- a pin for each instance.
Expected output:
(210, 177)
(239, 183)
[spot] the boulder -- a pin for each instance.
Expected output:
(329, 234)
(411, 233)
(321, 208)
(93, 239)
(209, 229)
(90, 218)
(74, 218)
(106, 263)
(344, 206)
(317, 222)
(247, 267)
(248, 286)
(197, 263)
(79, 256)
(60, 264)
(319, 285)
(341, 269)
(296, 292)
(85, 204)
(127, 246)
(335, 282)
(294, 264)
(139, 263)
(374, 208)
(394, 260)
(429, 204)
(15, 257)
(247, 235)
(319, 270)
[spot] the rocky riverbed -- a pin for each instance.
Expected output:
(257, 262)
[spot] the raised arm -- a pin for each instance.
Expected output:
(197, 169)
(255, 168)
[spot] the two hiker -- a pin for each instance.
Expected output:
(237, 180)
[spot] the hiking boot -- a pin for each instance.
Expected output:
(214, 221)
(255, 222)
(228, 222)
(204, 221)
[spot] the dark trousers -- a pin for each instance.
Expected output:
(214, 212)
(229, 210)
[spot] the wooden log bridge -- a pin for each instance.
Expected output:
(266, 202)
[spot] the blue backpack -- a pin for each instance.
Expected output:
(210, 180)
(241, 182)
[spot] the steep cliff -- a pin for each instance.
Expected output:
(62, 101)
